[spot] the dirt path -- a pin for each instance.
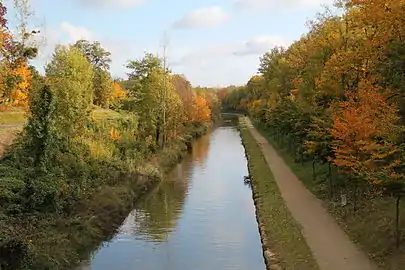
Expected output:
(331, 247)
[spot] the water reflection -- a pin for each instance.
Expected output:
(200, 150)
(201, 217)
(156, 216)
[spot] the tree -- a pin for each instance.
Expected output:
(15, 53)
(117, 93)
(99, 57)
(22, 85)
(202, 112)
(140, 70)
(186, 93)
(364, 135)
(70, 77)
(100, 60)
(103, 88)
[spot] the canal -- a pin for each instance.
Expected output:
(200, 217)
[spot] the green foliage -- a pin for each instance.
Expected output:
(98, 57)
(103, 88)
(70, 77)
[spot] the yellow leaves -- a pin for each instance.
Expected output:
(22, 83)
(114, 134)
(358, 127)
(202, 112)
(118, 93)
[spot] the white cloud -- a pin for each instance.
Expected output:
(226, 64)
(75, 33)
(205, 17)
(121, 50)
(259, 45)
(111, 3)
(261, 4)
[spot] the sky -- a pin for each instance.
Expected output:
(212, 42)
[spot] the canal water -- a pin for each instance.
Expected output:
(201, 217)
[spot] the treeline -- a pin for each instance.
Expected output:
(72, 173)
(335, 100)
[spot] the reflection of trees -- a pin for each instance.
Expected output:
(200, 149)
(229, 120)
(157, 214)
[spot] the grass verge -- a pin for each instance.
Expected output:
(12, 116)
(285, 238)
(371, 227)
(7, 136)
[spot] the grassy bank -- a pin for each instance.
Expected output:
(59, 240)
(284, 235)
(12, 116)
(371, 226)
(7, 135)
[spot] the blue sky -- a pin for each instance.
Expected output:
(213, 43)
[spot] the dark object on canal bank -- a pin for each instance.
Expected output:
(246, 179)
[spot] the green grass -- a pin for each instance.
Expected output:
(371, 227)
(283, 232)
(15, 116)
(104, 114)
(18, 116)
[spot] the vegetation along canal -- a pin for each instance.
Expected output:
(201, 216)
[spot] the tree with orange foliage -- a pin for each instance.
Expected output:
(19, 95)
(364, 134)
(15, 77)
(202, 112)
(117, 92)
(362, 128)
(186, 93)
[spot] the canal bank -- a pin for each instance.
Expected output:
(283, 245)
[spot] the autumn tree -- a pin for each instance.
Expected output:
(15, 53)
(202, 112)
(186, 93)
(158, 104)
(364, 134)
(117, 93)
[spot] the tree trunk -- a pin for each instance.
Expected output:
(313, 170)
(157, 136)
(355, 197)
(330, 181)
(397, 234)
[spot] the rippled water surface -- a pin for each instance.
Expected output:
(200, 218)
